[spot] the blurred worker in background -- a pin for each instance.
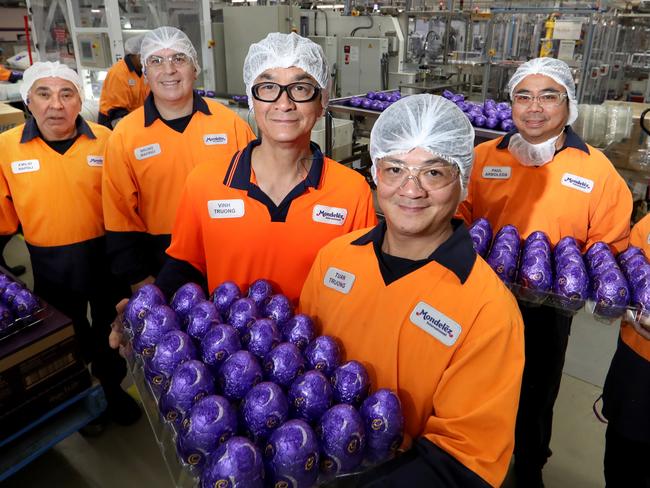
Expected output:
(153, 149)
(51, 185)
(10, 76)
(547, 179)
(429, 319)
(124, 88)
(626, 394)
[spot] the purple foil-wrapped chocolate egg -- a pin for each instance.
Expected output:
(506, 124)
(238, 463)
(292, 455)
(185, 298)
(4, 282)
(283, 364)
(638, 273)
(323, 354)
(6, 316)
(641, 295)
(448, 94)
(299, 330)
(610, 293)
(260, 291)
(632, 263)
(571, 285)
(351, 383)
(597, 248)
(190, 382)
(208, 424)
(342, 438)
(157, 322)
(504, 263)
(564, 243)
(310, 395)
(10, 292)
(262, 337)
(384, 422)
(279, 309)
(481, 234)
(238, 374)
(264, 409)
(173, 349)
(139, 305)
(225, 295)
(25, 303)
(366, 103)
(218, 344)
(242, 314)
(201, 318)
(630, 252)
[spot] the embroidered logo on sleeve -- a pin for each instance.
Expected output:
(497, 172)
(215, 139)
(435, 323)
(95, 160)
(577, 182)
(149, 151)
(26, 166)
(226, 209)
(329, 215)
(339, 280)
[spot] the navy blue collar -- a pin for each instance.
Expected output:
(571, 140)
(31, 130)
(457, 253)
(239, 176)
(131, 66)
(151, 112)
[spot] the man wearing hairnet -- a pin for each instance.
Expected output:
(412, 301)
(124, 88)
(153, 149)
(51, 185)
(543, 177)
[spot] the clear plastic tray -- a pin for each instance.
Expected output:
(23, 323)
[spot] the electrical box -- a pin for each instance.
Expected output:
(360, 67)
(330, 48)
(94, 50)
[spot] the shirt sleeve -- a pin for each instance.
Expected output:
(308, 303)
(365, 215)
(639, 234)
(8, 218)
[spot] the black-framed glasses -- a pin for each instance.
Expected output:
(299, 92)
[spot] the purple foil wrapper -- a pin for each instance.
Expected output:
(292, 455)
(299, 330)
(384, 423)
(139, 305)
(239, 373)
(225, 295)
(238, 463)
(481, 234)
(310, 395)
(260, 291)
(342, 438)
(157, 322)
(323, 354)
(262, 337)
(278, 308)
(283, 364)
(242, 314)
(264, 409)
(173, 349)
(351, 383)
(200, 318)
(184, 300)
(221, 341)
(190, 382)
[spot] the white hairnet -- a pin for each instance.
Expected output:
(279, 50)
(133, 44)
(167, 38)
(429, 122)
(48, 69)
(555, 69)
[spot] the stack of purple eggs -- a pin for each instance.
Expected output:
(504, 255)
(571, 282)
(636, 268)
(377, 101)
(488, 114)
(16, 302)
(609, 289)
(481, 233)
(264, 374)
(535, 276)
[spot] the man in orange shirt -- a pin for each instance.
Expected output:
(543, 177)
(124, 88)
(10, 76)
(413, 302)
(626, 394)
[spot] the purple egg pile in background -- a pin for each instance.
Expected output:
(491, 115)
(377, 101)
(260, 398)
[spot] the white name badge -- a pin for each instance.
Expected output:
(329, 215)
(435, 323)
(131, 82)
(226, 209)
(145, 152)
(497, 172)
(95, 160)
(215, 139)
(26, 166)
(339, 280)
(577, 182)
(648, 239)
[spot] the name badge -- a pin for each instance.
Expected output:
(497, 172)
(339, 280)
(131, 82)
(226, 209)
(435, 323)
(329, 215)
(26, 166)
(577, 183)
(215, 139)
(648, 239)
(145, 152)
(95, 160)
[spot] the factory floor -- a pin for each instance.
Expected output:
(128, 457)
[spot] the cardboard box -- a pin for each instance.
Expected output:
(10, 117)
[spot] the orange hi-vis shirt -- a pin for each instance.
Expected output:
(447, 337)
(228, 229)
(147, 164)
(639, 237)
(123, 91)
(55, 197)
(579, 194)
(5, 74)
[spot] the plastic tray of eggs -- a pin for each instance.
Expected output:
(19, 307)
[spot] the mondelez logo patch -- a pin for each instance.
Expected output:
(435, 323)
